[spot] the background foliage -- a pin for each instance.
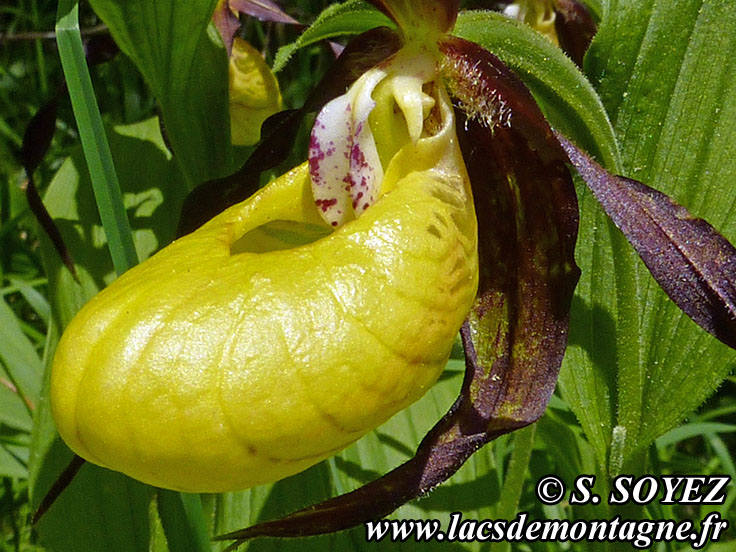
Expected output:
(656, 101)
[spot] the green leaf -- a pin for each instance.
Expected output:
(349, 18)
(664, 73)
(100, 510)
(18, 358)
(12, 462)
(13, 411)
(183, 521)
(693, 430)
(513, 482)
(595, 7)
(185, 64)
(34, 298)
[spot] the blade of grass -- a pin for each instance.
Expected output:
(183, 516)
(94, 140)
(513, 483)
(687, 431)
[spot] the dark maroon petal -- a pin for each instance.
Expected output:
(575, 28)
(227, 24)
(36, 142)
(265, 10)
(516, 333)
(690, 260)
(527, 227)
(491, 93)
(61, 483)
(47, 223)
(38, 135)
(279, 131)
(100, 49)
(336, 48)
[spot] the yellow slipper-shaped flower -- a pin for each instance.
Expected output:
(281, 331)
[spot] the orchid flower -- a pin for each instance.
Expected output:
(435, 198)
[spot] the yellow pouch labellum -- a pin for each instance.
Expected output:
(268, 340)
(254, 93)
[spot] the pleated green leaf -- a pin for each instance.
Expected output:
(185, 64)
(664, 71)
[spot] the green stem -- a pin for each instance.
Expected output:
(40, 57)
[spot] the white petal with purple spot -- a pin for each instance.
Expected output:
(343, 160)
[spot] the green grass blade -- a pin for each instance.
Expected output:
(183, 519)
(94, 140)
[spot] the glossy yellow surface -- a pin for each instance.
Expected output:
(204, 369)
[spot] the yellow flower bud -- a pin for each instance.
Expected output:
(254, 93)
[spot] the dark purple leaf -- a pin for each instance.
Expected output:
(690, 260)
(575, 28)
(516, 332)
(279, 131)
